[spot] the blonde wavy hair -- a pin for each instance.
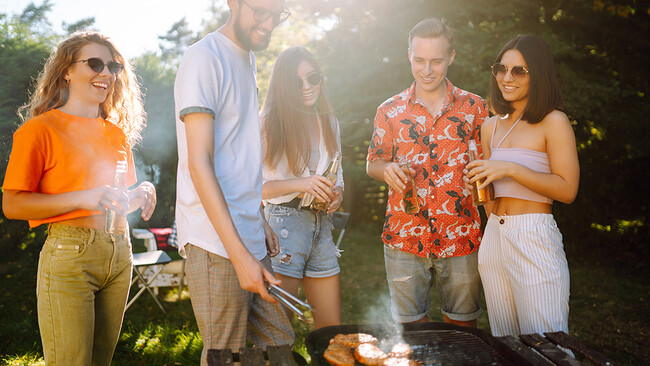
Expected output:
(123, 105)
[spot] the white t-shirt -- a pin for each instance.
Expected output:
(218, 77)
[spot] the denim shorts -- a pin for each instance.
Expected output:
(306, 245)
(410, 278)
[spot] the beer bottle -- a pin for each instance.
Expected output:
(115, 221)
(479, 196)
(410, 199)
(330, 174)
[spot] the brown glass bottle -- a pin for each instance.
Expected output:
(410, 198)
(479, 196)
(331, 174)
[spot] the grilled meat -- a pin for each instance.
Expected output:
(401, 350)
(338, 354)
(369, 354)
(354, 339)
(392, 361)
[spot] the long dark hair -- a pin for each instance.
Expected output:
(544, 93)
(285, 130)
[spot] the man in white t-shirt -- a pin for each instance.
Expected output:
(221, 229)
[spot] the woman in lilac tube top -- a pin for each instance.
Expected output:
(531, 161)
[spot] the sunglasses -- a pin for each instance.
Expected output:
(314, 79)
(262, 15)
(517, 72)
(98, 65)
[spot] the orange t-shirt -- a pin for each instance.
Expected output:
(56, 152)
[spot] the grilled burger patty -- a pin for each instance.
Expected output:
(354, 339)
(369, 354)
(338, 354)
(400, 362)
(400, 350)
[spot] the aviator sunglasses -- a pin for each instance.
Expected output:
(517, 72)
(314, 79)
(98, 65)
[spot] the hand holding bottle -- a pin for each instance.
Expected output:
(318, 186)
(397, 176)
(410, 199)
(116, 219)
(331, 175)
(480, 195)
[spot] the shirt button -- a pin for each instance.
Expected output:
(76, 247)
(502, 221)
(60, 246)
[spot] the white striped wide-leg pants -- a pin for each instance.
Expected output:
(525, 275)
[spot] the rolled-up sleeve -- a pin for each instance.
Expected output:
(194, 88)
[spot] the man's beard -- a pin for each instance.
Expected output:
(246, 38)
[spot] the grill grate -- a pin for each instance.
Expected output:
(451, 347)
(433, 344)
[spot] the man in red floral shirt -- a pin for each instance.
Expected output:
(429, 125)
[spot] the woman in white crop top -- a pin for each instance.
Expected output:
(300, 136)
(531, 160)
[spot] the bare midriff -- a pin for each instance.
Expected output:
(514, 206)
(97, 222)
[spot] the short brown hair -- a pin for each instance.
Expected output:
(433, 28)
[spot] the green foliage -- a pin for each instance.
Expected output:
(607, 309)
(156, 157)
(601, 59)
(600, 48)
(23, 54)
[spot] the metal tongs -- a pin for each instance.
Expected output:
(284, 298)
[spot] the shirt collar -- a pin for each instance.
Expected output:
(452, 92)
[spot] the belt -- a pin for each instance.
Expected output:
(295, 204)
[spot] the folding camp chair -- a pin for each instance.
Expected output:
(142, 261)
(174, 273)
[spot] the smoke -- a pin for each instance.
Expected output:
(379, 313)
(146, 172)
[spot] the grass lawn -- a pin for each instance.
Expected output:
(608, 309)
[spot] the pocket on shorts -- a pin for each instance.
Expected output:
(551, 239)
(278, 211)
(67, 248)
(277, 214)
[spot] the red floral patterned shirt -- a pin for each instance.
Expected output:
(448, 224)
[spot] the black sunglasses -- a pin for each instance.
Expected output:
(261, 15)
(517, 72)
(314, 79)
(98, 65)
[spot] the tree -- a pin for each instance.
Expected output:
(23, 54)
(600, 55)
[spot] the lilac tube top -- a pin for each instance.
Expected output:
(531, 159)
(534, 160)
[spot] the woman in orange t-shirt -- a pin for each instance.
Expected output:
(81, 122)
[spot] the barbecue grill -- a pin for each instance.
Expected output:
(448, 344)
(431, 344)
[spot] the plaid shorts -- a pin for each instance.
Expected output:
(225, 313)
